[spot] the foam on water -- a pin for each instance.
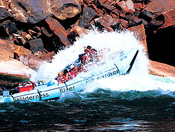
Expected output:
(113, 43)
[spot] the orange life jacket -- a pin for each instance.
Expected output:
(75, 71)
(61, 79)
(84, 59)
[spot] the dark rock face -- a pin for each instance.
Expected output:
(4, 14)
(36, 45)
(34, 11)
(58, 30)
(30, 11)
(63, 9)
(8, 28)
(88, 15)
(160, 30)
(161, 46)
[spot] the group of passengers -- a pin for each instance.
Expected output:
(89, 55)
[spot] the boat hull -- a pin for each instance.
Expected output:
(48, 92)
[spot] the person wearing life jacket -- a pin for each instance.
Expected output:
(81, 68)
(83, 58)
(61, 77)
(89, 52)
(69, 73)
(74, 70)
(88, 49)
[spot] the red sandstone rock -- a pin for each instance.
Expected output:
(108, 22)
(58, 30)
(63, 9)
(5, 52)
(160, 6)
(48, 56)
(79, 30)
(124, 23)
(46, 32)
(126, 6)
(20, 50)
(88, 15)
(4, 14)
(156, 8)
(169, 18)
(27, 58)
(141, 36)
(30, 11)
(14, 67)
(1, 41)
(7, 27)
(36, 45)
(112, 21)
(161, 69)
(9, 51)
(9, 65)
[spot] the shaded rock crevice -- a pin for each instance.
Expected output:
(161, 45)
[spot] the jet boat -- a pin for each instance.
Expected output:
(53, 90)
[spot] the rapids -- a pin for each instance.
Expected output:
(113, 43)
(134, 102)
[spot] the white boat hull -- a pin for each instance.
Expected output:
(44, 92)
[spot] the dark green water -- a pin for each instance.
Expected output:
(101, 110)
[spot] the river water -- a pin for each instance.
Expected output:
(134, 102)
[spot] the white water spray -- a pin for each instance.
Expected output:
(112, 42)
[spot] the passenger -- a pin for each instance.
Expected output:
(88, 50)
(68, 75)
(61, 77)
(83, 58)
(92, 54)
(75, 71)
(81, 69)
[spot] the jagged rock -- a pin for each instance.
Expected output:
(46, 32)
(5, 52)
(10, 51)
(79, 30)
(108, 22)
(5, 3)
(36, 45)
(47, 56)
(15, 67)
(30, 11)
(63, 9)
(88, 15)
(160, 12)
(169, 19)
(7, 28)
(12, 71)
(126, 6)
(4, 14)
(124, 23)
(161, 69)
(160, 6)
(141, 35)
(27, 58)
(58, 30)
